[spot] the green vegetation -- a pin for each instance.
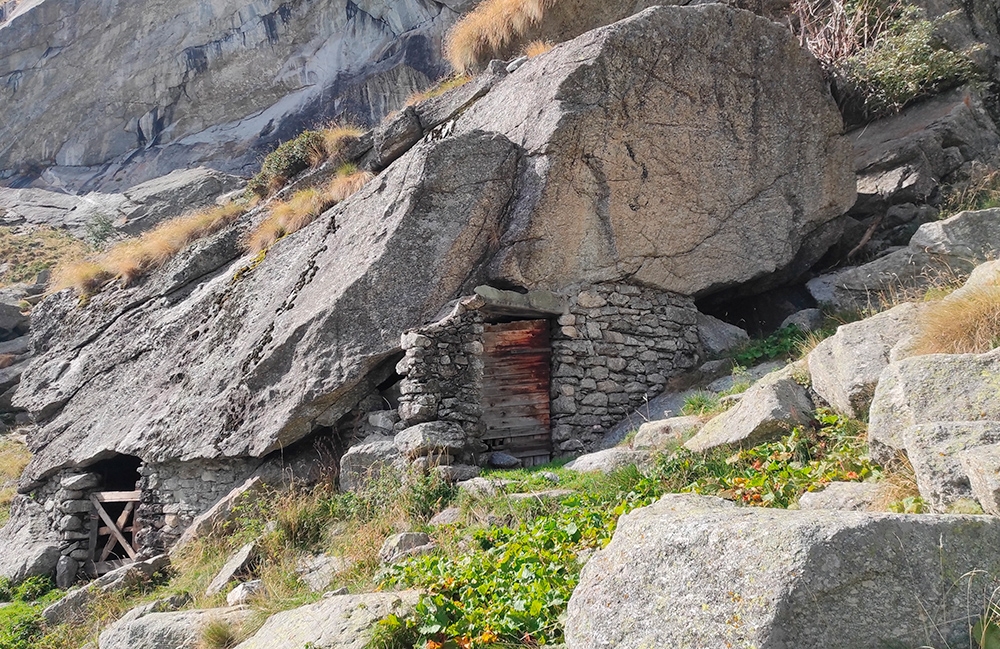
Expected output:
(308, 149)
(26, 254)
(21, 624)
(502, 574)
(882, 55)
(701, 403)
(783, 343)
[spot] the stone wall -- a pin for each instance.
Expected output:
(616, 348)
(174, 493)
(443, 371)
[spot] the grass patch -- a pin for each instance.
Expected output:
(537, 48)
(304, 207)
(980, 192)
(219, 634)
(881, 55)
(14, 456)
(452, 82)
(781, 344)
(967, 322)
(26, 254)
(493, 30)
(701, 404)
(132, 258)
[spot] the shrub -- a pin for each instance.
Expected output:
(290, 158)
(881, 56)
(967, 322)
(783, 343)
(492, 30)
(335, 139)
(132, 258)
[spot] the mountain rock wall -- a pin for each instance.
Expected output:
(163, 85)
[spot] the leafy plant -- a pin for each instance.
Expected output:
(33, 588)
(783, 343)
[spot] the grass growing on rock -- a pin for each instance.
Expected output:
(491, 31)
(967, 322)
(14, 456)
(132, 258)
(308, 149)
(452, 82)
(305, 206)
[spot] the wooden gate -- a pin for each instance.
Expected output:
(516, 390)
(112, 536)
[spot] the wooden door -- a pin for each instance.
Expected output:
(112, 530)
(516, 361)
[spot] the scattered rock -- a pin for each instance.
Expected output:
(700, 572)
(665, 433)
(845, 367)
(364, 462)
(237, 564)
(343, 621)
(608, 460)
(66, 571)
(484, 486)
(806, 320)
(934, 450)
(434, 438)
(768, 410)
(318, 571)
(171, 630)
(448, 516)
(400, 545)
(547, 494)
(718, 337)
(457, 472)
(243, 593)
(982, 466)
(848, 496)
(74, 605)
(501, 460)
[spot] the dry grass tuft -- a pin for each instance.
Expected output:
(219, 634)
(334, 138)
(6, 360)
(25, 254)
(492, 31)
(131, 259)
(452, 82)
(967, 322)
(898, 487)
(537, 48)
(14, 456)
(304, 207)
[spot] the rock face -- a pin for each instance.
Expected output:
(699, 572)
(27, 547)
(148, 629)
(199, 81)
(344, 621)
(845, 368)
(769, 145)
(261, 354)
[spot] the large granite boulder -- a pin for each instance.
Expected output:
(930, 389)
(27, 546)
(845, 368)
(199, 81)
(217, 355)
(342, 621)
(644, 164)
(693, 571)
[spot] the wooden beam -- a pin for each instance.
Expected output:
(114, 530)
(117, 496)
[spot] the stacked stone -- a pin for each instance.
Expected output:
(174, 493)
(443, 372)
(66, 500)
(616, 348)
